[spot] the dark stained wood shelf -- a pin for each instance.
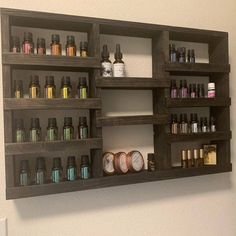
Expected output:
(48, 62)
(196, 68)
(132, 83)
(51, 146)
(54, 104)
(198, 102)
(132, 120)
(116, 180)
(210, 136)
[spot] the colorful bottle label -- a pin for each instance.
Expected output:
(211, 94)
(65, 92)
(71, 174)
(28, 48)
(85, 172)
(82, 93)
(67, 133)
(71, 51)
(56, 49)
(35, 135)
(51, 134)
(83, 132)
(34, 92)
(50, 92)
(106, 69)
(56, 176)
(119, 70)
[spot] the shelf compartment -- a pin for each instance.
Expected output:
(132, 120)
(94, 183)
(211, 136)
(132, 83)
(47, 62)
(51, 146)
(55, 104)
(196, 68)
(198, 102)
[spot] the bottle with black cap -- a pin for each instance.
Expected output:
(28, 44)
(34, 87)
(119, 65)
(52, 129)
(50, 87)
(85, 167)
(71, 172)
(35, 130)
(57, 170)
(18, 89)
(82, 88)
(83, 128)
(55, 45)
(24, 176)
(70, 46)
(66, 88)
(84, 49)
(151, 162)
(40, 175)
(106, 63)
(19, 131)
(41, 46)
(15, 44)
(68, 129)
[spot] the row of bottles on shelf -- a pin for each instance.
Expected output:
(50, 88)
(56, 48)
(57, 175)
(180, 55)
(52, 133)
(191, 91)
(193, 125)
(199, 157)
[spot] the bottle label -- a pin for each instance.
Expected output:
(40, 177)
(28, 48)
(51, 134)
(50, 92)
(106, 69)
(18, 94)
(71, 174)
(20, 136)
(83, 132)
(83, 53)
(211, 94)
(34, 135)
(213, 128)
(34, 92)
(56, 49)
(65, 92)
(119, 70)
(67, 134)
(24, 179)
(85, 172)
(56, 176)
(194, 128)
(173, 57)
(71, 51)
(41, 51)
(173, 93)
(82, 93)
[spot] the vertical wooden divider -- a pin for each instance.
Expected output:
(160, 55)
(95, 132)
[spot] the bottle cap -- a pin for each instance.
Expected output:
(56, 38)
(28, 36)
(49, 80)
(24, 165)
(83, 120)
(105, 52)
(19, 123)
(118, 54)
(15, 41)
(82, 81)
(41, 42)
(211, 86)
(40, 163)
(84, 46)
(84, 160)
(68, 121)
(70, 39)
(184, 155)
(56, 162)
(52, 122)
(195, 153)
(71, 161)
(65, 81)
(34, 79)
(151, 157)
(35, 123)
(18, 85)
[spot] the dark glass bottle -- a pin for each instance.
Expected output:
(19, 131)
(151, 162)
(55, 45)
(192, 91)
(173, 89)
(28, 44)
(66, 88)
(118, 65)
(15, 44)
(24, 176)
(35, 130)
(83, 128)
(34, 87)
(41, 46)
(204, 125)
(52, 129)
(71, 174)
(68, 129)
(85, 167)
(82, 88)
(50, 87)
(18, 89)
(201, 91)
(57, 170)
(183, 124)
(70, 46)
(84, 49)
(106, 63)
(40, 171)
(191, 56)
(182, 55)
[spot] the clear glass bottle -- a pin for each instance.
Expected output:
(19, 131)
(85, 167)
(50, 88)
(66, 88)
(40, 171)
(55, 45)
(70, 46)
(28, 44)
(71, 170)
(18, 89)
(24, 175)
(35, 130)
(15, 44)
(82, 88)
(84, 49)
(52, 129)
(118, 65)
(83, 128)
(57, 170)
(34, 87)
(68, 129)
(106, 63)
(41, 46)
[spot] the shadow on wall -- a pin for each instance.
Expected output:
(115, 197)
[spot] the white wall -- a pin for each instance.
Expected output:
(193, 206)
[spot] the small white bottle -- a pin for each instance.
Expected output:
(118, 65)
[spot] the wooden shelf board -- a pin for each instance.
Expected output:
(54, 104)
(116, 180)
(51, 146)
(132, 83)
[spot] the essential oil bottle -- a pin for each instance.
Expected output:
(194, 123)
(15, 44)
(212, 125)
(70, 46)
(82, 88)
(52, 129)
(173, 54)
(57, 170)
(19, 131)
(151, 162)
(184, 162)
(189, 158)
(195, 158)
(191, 56)
(173, 89)
(34, 87)
(119, 65)
(24, 176)
(68, 129)
(18, 89)
(84, 49)
(40, 171)
(35, 130)
(106, 63)
(28, 44)
(71, 170)
(174, 124)
(41, 46)
(55, 45)
(50, 87)
(66, 88)
(85, 167)
(83, 128)
(183, 126)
